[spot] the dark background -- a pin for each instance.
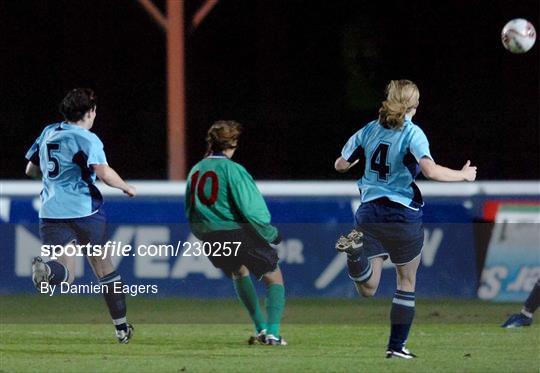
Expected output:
(302, 76)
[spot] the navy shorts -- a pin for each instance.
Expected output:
(254, 253)
(89, 229)
(390, 230)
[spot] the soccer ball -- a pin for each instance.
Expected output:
(518, 35)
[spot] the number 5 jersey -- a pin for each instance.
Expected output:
(65, 154)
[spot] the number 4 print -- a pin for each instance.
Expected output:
(378, 162)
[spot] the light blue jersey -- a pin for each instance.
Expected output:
(392, 158)
(65, 153)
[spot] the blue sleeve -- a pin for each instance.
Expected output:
(94, 150)
(33, 153)
(353, 146)
(420, 145)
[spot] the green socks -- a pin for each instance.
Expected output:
(275, 304)
(247, 294)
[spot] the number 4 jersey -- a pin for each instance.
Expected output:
(391, 165)
(222, 195)
(65, 153)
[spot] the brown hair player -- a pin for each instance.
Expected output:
(67, 157)
(226, 210)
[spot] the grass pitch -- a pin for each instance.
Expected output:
(179, 335)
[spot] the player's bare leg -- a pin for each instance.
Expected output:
(101, 266)
(115, 298)
(406, 275)
(70, 262)
(53, 272)
(403, 309)
(369, 288)
(275, 277)
(241, 272)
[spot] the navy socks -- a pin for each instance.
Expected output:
(533, 300)
(59, 272)
(359, 268)
(116, 301)
(401, 318)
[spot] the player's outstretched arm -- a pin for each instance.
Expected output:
(110, 177)
(33, 171)
(341, 165)
(436, 172)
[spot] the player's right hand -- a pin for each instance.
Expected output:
(469, 172)
(131, 191)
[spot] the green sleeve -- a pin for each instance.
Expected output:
(250, 203)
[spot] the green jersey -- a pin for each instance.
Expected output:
(222, 195)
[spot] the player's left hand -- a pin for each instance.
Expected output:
(131, 191)
(469, 172)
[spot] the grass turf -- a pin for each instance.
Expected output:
(180, 335)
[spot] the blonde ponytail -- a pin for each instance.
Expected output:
(401, 97)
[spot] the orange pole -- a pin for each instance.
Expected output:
(203, 12)
(176, 115)
(155, 13)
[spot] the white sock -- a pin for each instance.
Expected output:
(526, 313)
